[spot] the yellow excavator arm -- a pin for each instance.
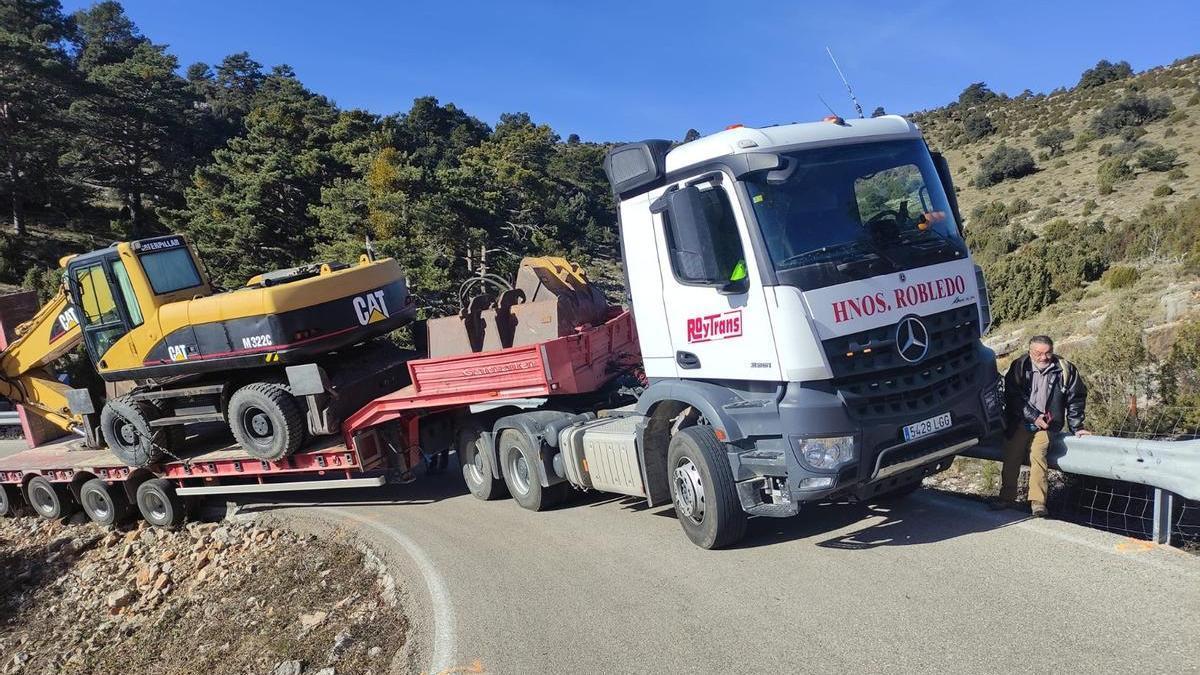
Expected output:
(24, 374)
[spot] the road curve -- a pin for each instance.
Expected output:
(934, 583)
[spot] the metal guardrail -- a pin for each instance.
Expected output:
(1172, 468)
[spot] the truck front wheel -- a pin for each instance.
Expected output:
(702, 488)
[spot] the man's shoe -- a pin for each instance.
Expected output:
(1038, 510)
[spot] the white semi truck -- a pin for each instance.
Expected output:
(809, 320)
(806, 321)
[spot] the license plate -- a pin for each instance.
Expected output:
(926, 427)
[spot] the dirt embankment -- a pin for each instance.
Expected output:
(209, 598)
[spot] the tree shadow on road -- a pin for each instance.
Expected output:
(923, 518)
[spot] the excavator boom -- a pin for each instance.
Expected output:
(24, 374)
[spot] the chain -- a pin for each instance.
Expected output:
(187, 463)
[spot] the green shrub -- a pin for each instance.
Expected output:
(1105, 188)
(1084, 139)
(1164, 190)
(1103, 73)
(1105, 149)
(1114, 170)
(1176, 174)
(1194, 100)
(977, 125)
(1177, 117)
(1019, 287)
(1019, 205)
(1089, 207)
(1157, 158)
(1121, 276)
(1132, 111)
(1004, 163)
(1170, 133)
(1053, 140)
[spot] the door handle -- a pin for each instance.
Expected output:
(687, 360)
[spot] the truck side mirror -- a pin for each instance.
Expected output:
(690, 230)
(943, 171)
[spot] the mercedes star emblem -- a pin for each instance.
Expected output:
(912, 339)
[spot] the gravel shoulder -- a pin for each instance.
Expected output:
(232, 597)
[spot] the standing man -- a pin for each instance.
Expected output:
(1043, 394)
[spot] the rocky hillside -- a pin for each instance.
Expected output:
(227, 598)
(1104, 173)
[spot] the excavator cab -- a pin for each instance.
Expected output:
(115, 288)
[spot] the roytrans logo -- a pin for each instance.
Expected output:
(715, 326)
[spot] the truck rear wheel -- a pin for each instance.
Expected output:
(702, 488)
(266, 420)
(518, 462)
(103, 504)
(51, 500)
(125, 425)
(476, 463)
(158, 503)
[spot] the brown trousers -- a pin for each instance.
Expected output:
(1025, 444)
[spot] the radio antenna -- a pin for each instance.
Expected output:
(845, 82)
(827, 106)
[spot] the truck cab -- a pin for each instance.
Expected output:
(806, 292)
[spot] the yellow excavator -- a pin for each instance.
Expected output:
(284, 356)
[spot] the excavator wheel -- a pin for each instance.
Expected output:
(266, 420)
(125, 424)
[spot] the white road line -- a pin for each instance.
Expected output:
(1101, 541)
(439, 594)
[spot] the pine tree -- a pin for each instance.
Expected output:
(36, 83)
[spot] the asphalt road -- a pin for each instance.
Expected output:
(935, 583)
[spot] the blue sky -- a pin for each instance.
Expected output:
(629, 70)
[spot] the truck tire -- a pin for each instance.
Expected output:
(702, 488)
(518, 462)
(50, 500)
(476, 466)
(266, 420)
(125, 425)
(8, 501)
(102, 503)
(159, 505)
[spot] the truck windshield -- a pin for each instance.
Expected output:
(831, 215)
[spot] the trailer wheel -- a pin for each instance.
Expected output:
(518, 462)
(158, 503)
(8, 501)
(125, 425)
(51, 500)
(103, 504)
(477, 466)
(266, 420)
(702, 488)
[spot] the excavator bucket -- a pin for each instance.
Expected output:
(551, 298)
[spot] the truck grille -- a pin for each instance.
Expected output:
(876, 383)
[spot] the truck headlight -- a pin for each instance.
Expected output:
(827, 454)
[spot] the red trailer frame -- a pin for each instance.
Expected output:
(574, 364)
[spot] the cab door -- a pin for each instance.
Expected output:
(108, 310)
(715, 304)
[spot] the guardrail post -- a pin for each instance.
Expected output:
(1164, 510)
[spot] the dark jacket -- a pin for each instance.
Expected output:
(1068, 396)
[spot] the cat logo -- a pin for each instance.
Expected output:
(68, 320)
(177, 352)
(371, 308)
